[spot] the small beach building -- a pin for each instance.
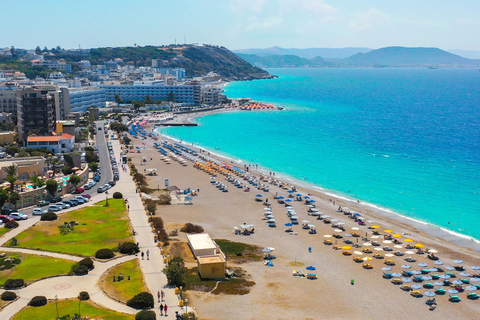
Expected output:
(211, 261)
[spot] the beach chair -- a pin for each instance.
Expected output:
(440, 291)
(406, 287)
(357, 259)
(454, 299)
(327, 242)
(312, 276)
(346, 253)
(389, 262)
(378, 256)
(431, 302)
(416, 294)
(473, 296)
(410, 259)
(387, 275)
(397, 281)
(367, 266)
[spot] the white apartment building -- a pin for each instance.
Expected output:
(83, 98)
(212, 95)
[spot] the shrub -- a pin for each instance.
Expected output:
(104, 254)
(146, 315)
(87, 262)
(11, 225)
(192, 228)
(143, 300)
(117, 195)
(79, 269)
(175, 271)
(12, 284)
(49, 216)
(164, 199)
(128, 248)
(83, 296)
(38, 301)
(9, 296)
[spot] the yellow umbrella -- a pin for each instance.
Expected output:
(408, 240)
(388, 231)
(346, 248)
(367, 259)
(419, 245)
(375, 227)
(397, 235)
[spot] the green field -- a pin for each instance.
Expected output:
(125, 289)
(70, 307)
(98, 227)
(3, 231)
(34, 267)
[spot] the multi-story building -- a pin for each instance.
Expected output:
(8, 99)
(188, 94)
(57, 144)
(36, 112)
(178, 73)
(212, 95)
(58, 65)
(83, 98)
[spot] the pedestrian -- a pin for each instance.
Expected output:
(158, 295)
(148, 254)
(161, 309)
(163, 294)
(352, 282)
(128, 207)
(143, 254)
(165, 308)
(309, 250)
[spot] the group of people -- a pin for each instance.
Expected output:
(163, 307)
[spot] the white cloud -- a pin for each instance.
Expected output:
(368, 19)
(253, 6)
(319, 6)
(264, 23)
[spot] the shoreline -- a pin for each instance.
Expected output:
(415, 224)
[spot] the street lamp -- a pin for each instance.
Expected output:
(106, 198)
(181, 295)
(186, 307)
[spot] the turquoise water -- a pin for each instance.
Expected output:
(407, 140)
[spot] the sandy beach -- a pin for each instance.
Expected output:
(278, 295)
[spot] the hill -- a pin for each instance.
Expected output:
(402, 56)
(197, 60)
(281, 61)
(308, 53)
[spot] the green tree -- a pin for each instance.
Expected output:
(3, 197)
(12, 177)
(175, 271)
(14, 198)
(93, 166)
(38, 50)
(126, 140)
(51, 187)
(37, 182)
(118, 99)
(90, 156)
(74, 180)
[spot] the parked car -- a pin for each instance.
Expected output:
(112, 183)
(107, 186)
(86, 195)
(80, 200)
(5, 219)
(54, 207)
(56, 199)
(71, 203)
(74, 201)
(39, 211)
(87, 187)
(42, 203)
(101, 189)
(79, 190)
(18, 216)
(8, 211)
(65, 204)
(96, 178)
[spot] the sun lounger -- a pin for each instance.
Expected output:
(416, 294)
(312, 276)
(406, 287)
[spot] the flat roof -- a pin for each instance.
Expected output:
(43, 139)
(210, 259)
(201, 241)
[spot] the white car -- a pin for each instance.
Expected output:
(18, 216)
(64, 204)
(38, 211)
(54, 208)
(82, 198)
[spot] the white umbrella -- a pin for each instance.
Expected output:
(375, 237)
(378, 249)
(334, 220)
(266, 250)
(338, 230)
(341, 223)
(458, 261)
(358, 253)
(305, 221)
(389, 255)
(327, 236)
(409, 252)
(387, 241)
(432, 251)
(475, 267)
(398, 246)
(355, 228)
(367, 244)
(311, 225)
(273, 249)
(370, 221)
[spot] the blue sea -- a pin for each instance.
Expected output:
(407, 140)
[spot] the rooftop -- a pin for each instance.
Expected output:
(43, 139)
(201, 241)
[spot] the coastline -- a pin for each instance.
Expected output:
(377, 212)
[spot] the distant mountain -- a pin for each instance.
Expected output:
(470, 54)
(281, 61)
(402, 57)
(309, 53)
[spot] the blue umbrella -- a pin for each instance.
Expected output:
(406, 266)
(406, 280)
(306, 197)
(433, 269)
(357, 215)
(426, 278)
(288, 224)
(281, 197)
(450, 268)
(387, 268)
(474, 279)
(258, 196)
(290, 191)
(438, 262)
(422, 264)
(444, 276)
(475, 268)
(464, 274)
(416, 272)
(458, 261)
(311, 201)
(429, 294)
(311, 268)
(470, 288)
(416, 286)
(457, 282)
(396, 274)
(298, 195)
(288, 200)
(438, 283)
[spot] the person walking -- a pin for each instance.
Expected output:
(158, 295)
(165, 308)
(161, 309)
(143, 253)
(148, 254)
(163, 294)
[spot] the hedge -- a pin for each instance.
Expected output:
(117, 195)
(83, 296)
(128, 248)
(11, 225)
(49, 216)
(12, 284)
(146, 315)
(38, 301)
(87, 262)
(104, 254)
(143, 300)
(9, 296)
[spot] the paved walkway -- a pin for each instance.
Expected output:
(70, 286)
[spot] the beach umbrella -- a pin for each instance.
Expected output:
(397, 235)
(346, 247)
(370, 221)
(258, 196)
(311, 225)
(326, 216)
(474, 279)
(438, 283)
(458, 261)
(396, 274)
(409, 252)
(459, 282)
(406, 280)
(432, 251)
(348, 235)
(266, 250)
(294, 217)
(389, 255)
(388, 231)
(338, 230)
(327, 236)
(358, 253)
(464, 274)
(406, 266)
(416, 286)
(408, 240)
(471, 288)
(422, 264)
(416, 272)
(452, 291)
(310, 206)
(426, 278)
(355, 228)
(387, 241)
(306, 197)
(398, 246)
(269, 216)
(444, 276)
(419, 245)
(341, 223)
(298, 195)
(375, 227)
(288, 224)
(378, 249)
(267, 209)
(305, 221)
(281, 198)
(311, 268)
(375, 237)
(290, 191)
(387, 268)
(433, 269)
(289, 207)
(450, 268)
(312, 201)
(438, 262)
(334, 220)
(367, 259)
(271, 248)
(429, 294)
(288, 200)
(367, 244)
(475, 267)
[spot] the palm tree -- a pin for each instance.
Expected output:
(53, 161)
(12, 177)
(37, 182)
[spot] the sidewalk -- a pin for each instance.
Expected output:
(152, 268)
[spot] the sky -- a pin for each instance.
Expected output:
(242, 24)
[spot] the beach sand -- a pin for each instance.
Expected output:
(278, 295)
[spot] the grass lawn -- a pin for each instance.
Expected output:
(238, 285)
(125, 289)
(98, 227)
(87, 308)
(3, 230)
(34, 267)
(239, 252)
